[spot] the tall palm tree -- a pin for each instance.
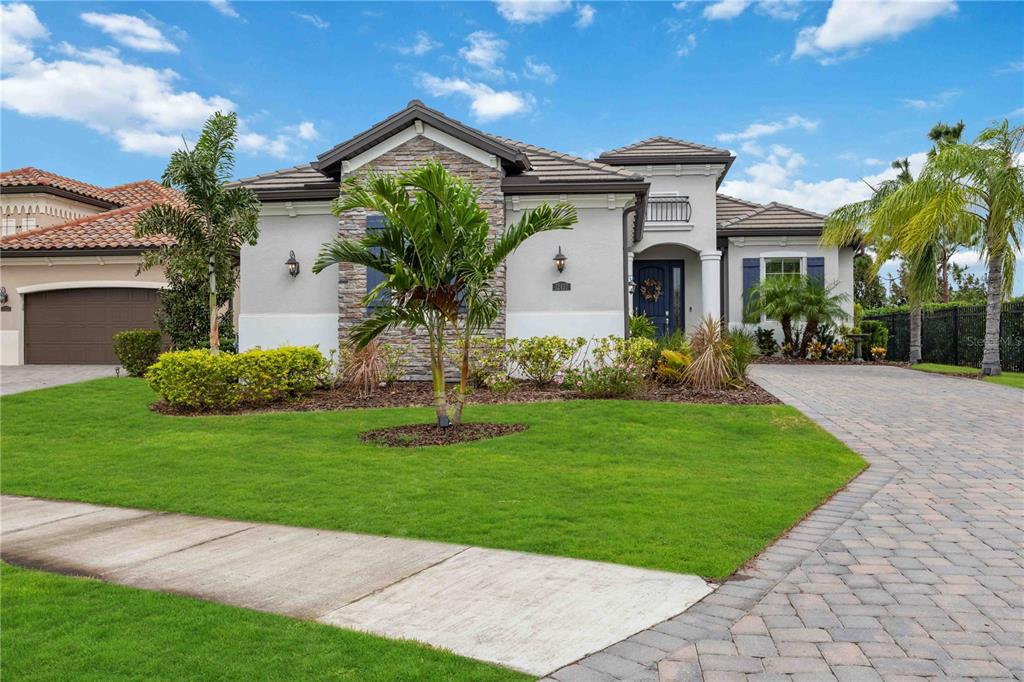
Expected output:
(855, 224)
(949, 243)
(975, 189)
(433, 226)
(215, 220)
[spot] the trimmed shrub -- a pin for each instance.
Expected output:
(617, 367)
(766, 344)
(137, 349)
(672, 366)
(543, 358)
(197, 380)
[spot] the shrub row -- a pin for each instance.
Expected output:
(198, 380)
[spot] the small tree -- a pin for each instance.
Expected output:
(182, 311)
(778, 298)
(215, 220)
(819, 306)
(433, 255)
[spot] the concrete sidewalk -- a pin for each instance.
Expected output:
(529, 612)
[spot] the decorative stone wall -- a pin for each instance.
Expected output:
(352, 278)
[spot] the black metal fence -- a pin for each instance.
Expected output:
(668, 210)
(956, 336)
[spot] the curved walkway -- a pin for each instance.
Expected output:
(914, 572)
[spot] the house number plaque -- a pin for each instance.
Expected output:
(561, 286)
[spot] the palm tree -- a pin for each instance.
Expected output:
(215, 220)
(855, 224)
(975, 189)
(778, 298)
(819, 306)
(949, 243)
(433, 228)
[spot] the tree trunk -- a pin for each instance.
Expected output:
(214, 320)
(463, 375)
(990, 363)
(787, 332)
(915, 333)
(945, 276)
(437, 374)
(810, 329)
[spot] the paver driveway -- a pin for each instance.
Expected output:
(914, 572)
(18, 378)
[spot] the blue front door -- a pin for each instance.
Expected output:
(658, 293)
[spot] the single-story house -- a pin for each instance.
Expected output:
(69, 267)
(654, 235)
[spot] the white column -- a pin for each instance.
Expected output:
(711, 283)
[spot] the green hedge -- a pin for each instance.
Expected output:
(137, 349)
(197, 380)
(929, 307)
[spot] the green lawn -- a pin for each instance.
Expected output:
(689, 488)
(60, 628)
(1014, 379)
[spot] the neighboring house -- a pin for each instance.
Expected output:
(69, 265)
(653, 236)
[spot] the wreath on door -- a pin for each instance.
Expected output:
(650, 289)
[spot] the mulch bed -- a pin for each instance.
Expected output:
(420, 394)
(417, 435)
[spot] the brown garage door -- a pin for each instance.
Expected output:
(76, 326)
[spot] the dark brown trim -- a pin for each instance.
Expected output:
(769, 232)
(58, 192)
(531, 185)
(329, 162)
(306, 194)
(49, 253)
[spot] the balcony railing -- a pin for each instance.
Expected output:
(668, 210)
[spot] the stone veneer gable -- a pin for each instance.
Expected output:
(352, 278)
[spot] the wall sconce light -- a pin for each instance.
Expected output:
(3, 295)
(560, 259)
(293, 264)
(631, 285)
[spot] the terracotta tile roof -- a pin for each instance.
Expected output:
(110, 230)
(28, 176)
(664, 146)
(113, 229)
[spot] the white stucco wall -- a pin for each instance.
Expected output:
(838, 267)
(594, 267)
(699, 233)
(277, 309)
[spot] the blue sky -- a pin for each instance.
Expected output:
(812, 96)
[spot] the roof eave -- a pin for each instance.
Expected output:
(769, 232)
(532, 185)
(74, 251)
(59, 192)
(296, 194)
(670, 160)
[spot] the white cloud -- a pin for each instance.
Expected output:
(774, 179)
(143, 109)
(851, 24)
(19, 28)
(131, 31)
(785, 10)
(1017, 113)
(486, 103)
(421, 46)
(485, 51)
(937, 102)
(687, 45)
(725, 9)
(872, 161)
(585, 15)
(314, 20)
(307, 131)
(681, 5)
(531, 11)
(539, 71)
(756, 130)
(1012, 67)
(225, 8)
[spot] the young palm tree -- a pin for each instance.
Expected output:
(215, 220)
(433, 229)
(975, 189)
(818, 307)
(778, 298)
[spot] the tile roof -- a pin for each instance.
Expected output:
(664, 146)
(775, 217)
(110, 230)
(29, 176)
(551, 166)
(294, 178)
(113, 229)
(729, 208)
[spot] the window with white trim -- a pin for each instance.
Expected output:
(782, 267)
(7, 226)
(28, 224)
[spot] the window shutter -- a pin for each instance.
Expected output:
(816, 270)
(751, 277)
(374, 277)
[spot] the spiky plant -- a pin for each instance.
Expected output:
(712, 356)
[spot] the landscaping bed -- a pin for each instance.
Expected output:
(789, 360)
(417, 435)
(420, 394)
